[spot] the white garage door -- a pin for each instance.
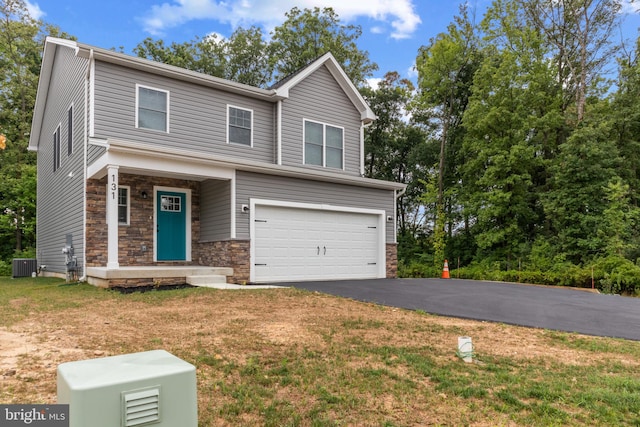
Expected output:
(309, 244)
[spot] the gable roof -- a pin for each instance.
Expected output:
(278, 92)
(283, 87)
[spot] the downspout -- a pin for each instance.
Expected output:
(279, 133)
(362, 128)
(85, 154)
(399, 193)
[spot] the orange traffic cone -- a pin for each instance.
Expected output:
(445, 270)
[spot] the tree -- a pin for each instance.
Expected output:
(19, 69)
(394, 148)
(624, 115)
(243, 57)
(619, 219)
(580, 33)
(445, 72)
(511, 112)
(577, 199)
(21, 40)
(310, 33)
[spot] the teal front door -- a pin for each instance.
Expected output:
(171, 229)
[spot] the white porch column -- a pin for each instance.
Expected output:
(112, 217)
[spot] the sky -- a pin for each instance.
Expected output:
(392, 30)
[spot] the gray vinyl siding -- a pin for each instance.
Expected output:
(60, 198)
(93, 153)
(271, 187)
(319, 98)
(215, 210)
(197, 114)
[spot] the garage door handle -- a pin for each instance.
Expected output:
(325, 250)
(318, 250)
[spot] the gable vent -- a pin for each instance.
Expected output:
(141, 407)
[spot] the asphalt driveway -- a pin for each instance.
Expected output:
(555, 308)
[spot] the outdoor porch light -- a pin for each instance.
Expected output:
(144, 194)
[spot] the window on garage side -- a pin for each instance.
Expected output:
(152, 108)
(240, 122)
(323, 145)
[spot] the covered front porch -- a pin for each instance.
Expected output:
(155, 222)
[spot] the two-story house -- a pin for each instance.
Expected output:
(153, 174)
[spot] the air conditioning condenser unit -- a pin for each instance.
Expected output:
(152, 388)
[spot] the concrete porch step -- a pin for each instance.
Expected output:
(206, 280)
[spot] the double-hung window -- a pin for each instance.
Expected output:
(152, 108)
(240, 122)
(323, 145)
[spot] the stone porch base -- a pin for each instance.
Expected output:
(126, 277)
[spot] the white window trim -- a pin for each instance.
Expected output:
(324, 143)
(229, 107)
(138, 87)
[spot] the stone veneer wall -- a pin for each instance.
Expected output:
(226, 253)
(392, 260)
(138, 235)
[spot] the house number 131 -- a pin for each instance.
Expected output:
(114, 187)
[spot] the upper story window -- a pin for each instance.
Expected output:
(70, 130)
(240, 122)
(56, 149)
(152, 108)
(323, 145)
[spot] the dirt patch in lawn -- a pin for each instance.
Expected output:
(213, 328)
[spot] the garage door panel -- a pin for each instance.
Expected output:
(309, 244)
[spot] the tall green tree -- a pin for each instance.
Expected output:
(310, 33)
(445, 73)
(21, 41)
(580, 33)
(19, 68)
(509, 116)
(624, 115)
(586, 163)
(394, 148)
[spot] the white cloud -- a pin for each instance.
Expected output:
(34, 10)
(399, 14)
(628, 8)
(412, 72)
(374, 82)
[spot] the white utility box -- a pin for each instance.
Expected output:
(152, 388)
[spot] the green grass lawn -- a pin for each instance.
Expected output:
(296, 358)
